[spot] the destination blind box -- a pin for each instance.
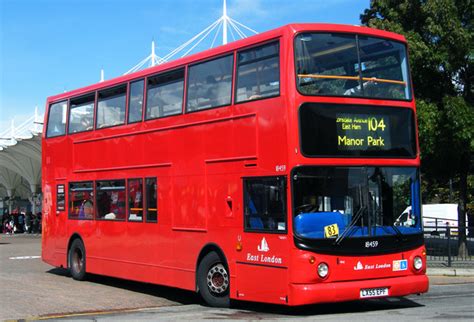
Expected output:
(346, 130)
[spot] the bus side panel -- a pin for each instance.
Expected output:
(189, 196)
(261, 283)
(225, 210)
(54, 171)
(224, 199)
(193, 194)
(262, 268)
(48, 239)
(152, 262)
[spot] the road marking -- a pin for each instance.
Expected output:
(25, 257)
(94, 313)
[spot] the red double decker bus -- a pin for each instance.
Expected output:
(271, 169)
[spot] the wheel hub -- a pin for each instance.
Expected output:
(218, 279)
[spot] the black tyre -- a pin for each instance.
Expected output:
(213, 280)
(77, 260)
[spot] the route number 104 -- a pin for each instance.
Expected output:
(375, 124)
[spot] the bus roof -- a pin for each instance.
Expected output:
(242, 43)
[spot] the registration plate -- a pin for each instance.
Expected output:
(373, 292)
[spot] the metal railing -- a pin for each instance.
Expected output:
(442, 245)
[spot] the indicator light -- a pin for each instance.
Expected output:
(312, 260)
(323, 270)
(238, 247)
(417, 263)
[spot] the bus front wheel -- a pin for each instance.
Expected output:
(214, 280)
(77, 260)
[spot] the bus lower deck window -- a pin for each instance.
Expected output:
(111, 199)
(135, 200)
(151, 200)
(81, 200)
(265, 204)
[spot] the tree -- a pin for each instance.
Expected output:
(440, 35)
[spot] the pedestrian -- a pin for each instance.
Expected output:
(9, 225)
(21, 223)
(36, 223)
(6, 223)
(38, 218)
(14, 220)
(28, 222)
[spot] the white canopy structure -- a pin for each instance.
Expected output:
(20, 162)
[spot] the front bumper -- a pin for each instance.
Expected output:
(301, 294)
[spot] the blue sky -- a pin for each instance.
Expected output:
(49, 46)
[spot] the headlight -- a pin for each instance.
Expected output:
(323, 270)
(417, 263)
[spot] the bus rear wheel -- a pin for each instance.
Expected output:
(214, 281)
(77, 260)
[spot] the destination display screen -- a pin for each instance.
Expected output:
(358, 131)
(363, 131)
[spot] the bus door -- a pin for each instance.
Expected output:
(262, 264)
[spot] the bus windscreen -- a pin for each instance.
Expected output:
(335, 64)
(356, 131)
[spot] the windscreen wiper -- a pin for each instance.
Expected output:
(345, 233)
(397, 231)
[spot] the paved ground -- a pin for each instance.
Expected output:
(445, 303)
(31, 289)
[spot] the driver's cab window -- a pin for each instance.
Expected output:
(265, 204)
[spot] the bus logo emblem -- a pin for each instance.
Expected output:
(358, 267)
(263, 247)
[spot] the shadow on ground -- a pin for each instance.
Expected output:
(327, 308)
(246, 310)
(173, 294)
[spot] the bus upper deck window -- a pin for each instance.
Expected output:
(81, 115)
(258, 73)
(135, 103)
(210, 84)
(165, 94)
(111, 106)
(57, 119)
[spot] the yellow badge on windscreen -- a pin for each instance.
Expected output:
(331, 231)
